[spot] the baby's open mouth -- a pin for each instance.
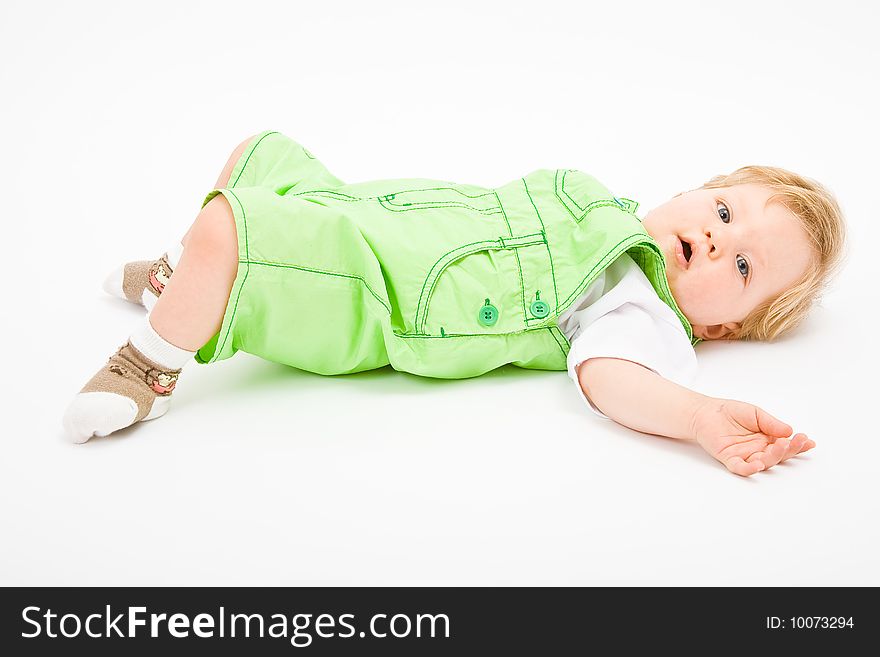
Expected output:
(686, 248)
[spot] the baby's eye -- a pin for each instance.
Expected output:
(743, 265)
(723, 212)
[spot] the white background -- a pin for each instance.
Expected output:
(116, 120)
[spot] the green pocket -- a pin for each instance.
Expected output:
(462, 283)
(440, 197)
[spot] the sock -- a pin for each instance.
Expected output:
(134, 386)
(142, 281)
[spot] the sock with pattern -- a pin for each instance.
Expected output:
(142, 281)
(134, 386)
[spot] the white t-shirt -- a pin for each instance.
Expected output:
(621, 316)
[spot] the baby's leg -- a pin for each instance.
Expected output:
(137, 381)
(142, 281)
(191, 308)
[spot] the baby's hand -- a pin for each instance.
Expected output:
(745, 438)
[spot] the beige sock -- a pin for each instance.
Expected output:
(130, 373)
(142, 281)
(144, 275)
(131, 387)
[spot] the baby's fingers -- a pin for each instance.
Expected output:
(799, 444)
(743, 468)
(772, 454)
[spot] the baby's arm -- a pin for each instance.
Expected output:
(743, 437)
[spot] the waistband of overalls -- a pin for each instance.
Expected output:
(519, 209)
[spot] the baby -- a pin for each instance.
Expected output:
(551, 271)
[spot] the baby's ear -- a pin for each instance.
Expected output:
(716, 332)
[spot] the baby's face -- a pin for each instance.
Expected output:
(742, 251)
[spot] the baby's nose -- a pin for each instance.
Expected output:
(710, 243)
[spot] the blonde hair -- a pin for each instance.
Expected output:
(822, 220)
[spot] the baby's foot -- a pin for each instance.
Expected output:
(142, 281)
(129, 388)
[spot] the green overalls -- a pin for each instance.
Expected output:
(435, 278)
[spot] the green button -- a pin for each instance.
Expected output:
(540, 309)
(488, 314)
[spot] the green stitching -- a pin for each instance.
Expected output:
(386, 201)
(562, 187)
(430, 271)
(504, 214)
(219, 349)
(247, 270)
(391, 207)
(558, 344)
(634, 240)
(556, 187)
(546, 242)
(629, 241)
(522, 285)
(253, 148)
(437, 189)
(559, 189)
(428, 336)
(664, 286)
(332, 193)
(324, 272)
(499, 244)
(632, 206)
(437, 204)
(247, 159)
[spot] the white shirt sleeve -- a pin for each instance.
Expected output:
(631, 322)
